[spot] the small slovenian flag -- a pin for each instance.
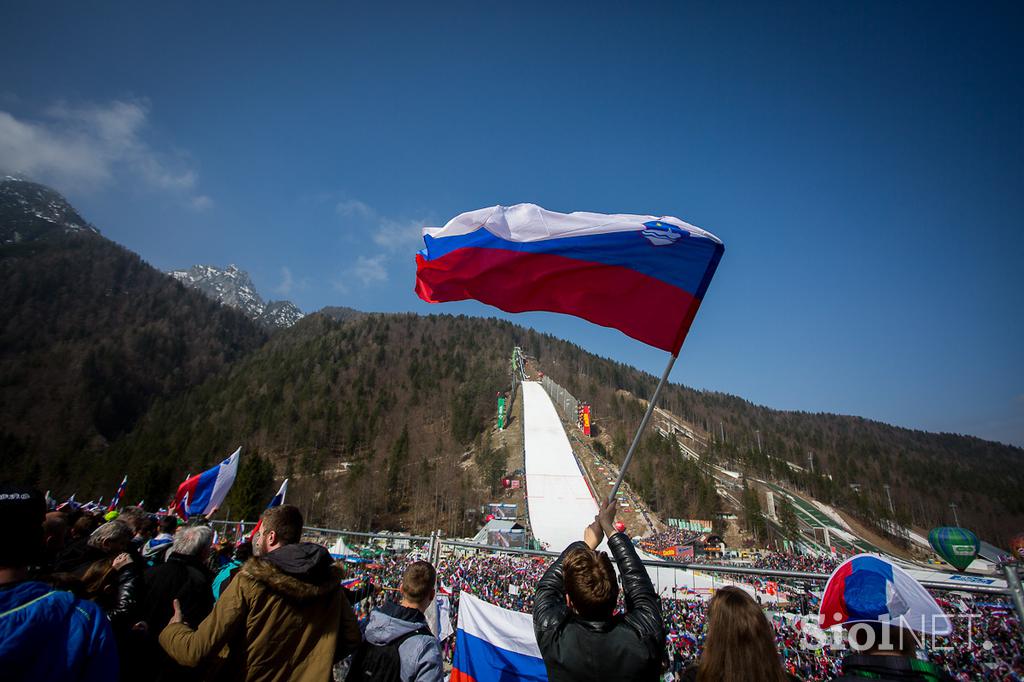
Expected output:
(116, 500)
(869, 588)
(277, 501)
(643, 275)
(239, 529)
(493, 644)
(206, 491)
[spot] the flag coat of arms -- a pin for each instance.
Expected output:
(493, 644)
(202, 493)
(643, 275)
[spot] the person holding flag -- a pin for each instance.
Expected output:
(578, 635)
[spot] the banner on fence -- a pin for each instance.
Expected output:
(696, 525)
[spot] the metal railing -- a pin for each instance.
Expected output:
(565, 402)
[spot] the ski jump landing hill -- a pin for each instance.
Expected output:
(561, 503)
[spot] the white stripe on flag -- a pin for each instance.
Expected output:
(509, 630)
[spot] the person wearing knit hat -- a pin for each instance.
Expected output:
(888, 615)
(45, 634)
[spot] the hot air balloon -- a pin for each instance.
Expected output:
(1017, 546)
(957, 546)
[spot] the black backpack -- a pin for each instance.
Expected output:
(380, 663)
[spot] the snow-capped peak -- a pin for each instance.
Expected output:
(233, 287)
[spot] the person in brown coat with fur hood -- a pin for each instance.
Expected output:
(284, 617)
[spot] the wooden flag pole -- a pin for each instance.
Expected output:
(643, 425)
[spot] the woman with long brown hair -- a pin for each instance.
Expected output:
(740, 643)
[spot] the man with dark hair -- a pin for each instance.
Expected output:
(45, 634)
(578, 635)
(283, 524)
(55, 531)
(284, 615)
(155, 551)
(397, 635)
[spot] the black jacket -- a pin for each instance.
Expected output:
(625, 647)
(891, 669)
(183, 578)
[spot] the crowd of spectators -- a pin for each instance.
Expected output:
(964, 654)
(785, 561)
(140, 572)
(673, 537)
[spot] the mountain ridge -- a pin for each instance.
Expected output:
(232, 286)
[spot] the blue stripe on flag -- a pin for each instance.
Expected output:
(683, 264)
(485, 662)
(203, 491)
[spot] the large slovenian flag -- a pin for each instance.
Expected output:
(277, 501)
(868, 588)
(640, 274)
(205, 492)
(493, 644)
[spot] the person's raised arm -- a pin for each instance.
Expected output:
(643, 608)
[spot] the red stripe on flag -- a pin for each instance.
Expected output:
(833, 609)
(459, 676)
(636, 304)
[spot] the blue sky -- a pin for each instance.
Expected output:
(863, 163)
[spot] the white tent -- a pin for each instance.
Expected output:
(340, 549)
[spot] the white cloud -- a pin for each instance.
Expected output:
(353, 208)
(370, 270)
(85, 147)
(287, 282)
(201, 202)
(393, 234)
(399, 235)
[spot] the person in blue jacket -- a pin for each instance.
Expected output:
(45, 633)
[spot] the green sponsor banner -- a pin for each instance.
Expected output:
(501, 412)
(697, 525)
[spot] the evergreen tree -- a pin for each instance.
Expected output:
(253, 488)
(788, 519)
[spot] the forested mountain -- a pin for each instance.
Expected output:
(89, 336)
(108, 366)
(403, 397)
